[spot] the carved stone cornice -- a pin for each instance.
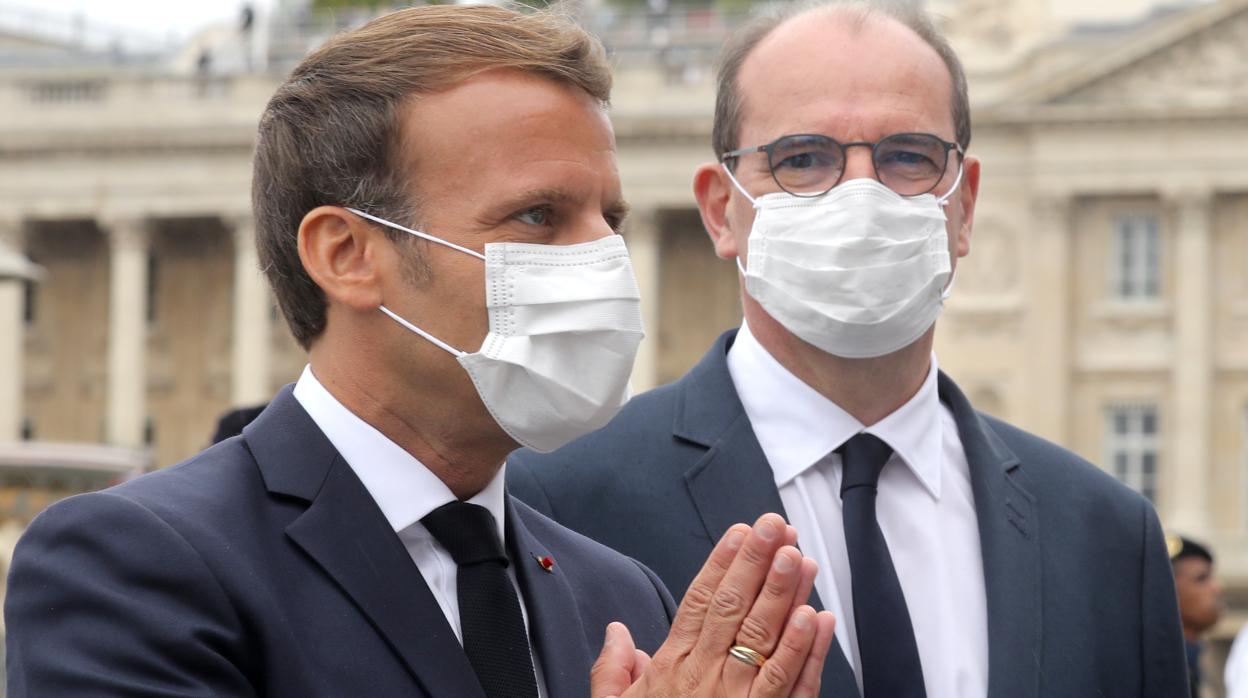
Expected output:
(1174, 51)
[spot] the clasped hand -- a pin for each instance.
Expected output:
(751, 592)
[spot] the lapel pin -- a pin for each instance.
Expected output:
(546, 562)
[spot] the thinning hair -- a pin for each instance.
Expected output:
(333, 133)
(730, 103)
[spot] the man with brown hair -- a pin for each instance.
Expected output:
(962, 556)
(356, 539)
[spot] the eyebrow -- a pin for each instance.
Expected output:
(620, 209)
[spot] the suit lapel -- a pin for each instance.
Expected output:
(733, 483)
(555, 625)
(1009, 526)
(345, 533)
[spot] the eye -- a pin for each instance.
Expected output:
(538, 215)
(908, 158)
(805, 161)
(804, 153)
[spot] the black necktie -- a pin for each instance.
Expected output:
(489, 608)
(886, 647)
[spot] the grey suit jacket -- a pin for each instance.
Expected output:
(1080, 593)
(263, 567)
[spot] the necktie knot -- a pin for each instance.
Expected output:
(468, 532)
(862, 459)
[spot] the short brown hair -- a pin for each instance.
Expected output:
(729, 103)
(332, 133)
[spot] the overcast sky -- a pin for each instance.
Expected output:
(157, 18)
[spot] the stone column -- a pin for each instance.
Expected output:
(1048, 278)
(1187, 430)
(127, 330)
(12, 328)
(249, 383)
(643, 237)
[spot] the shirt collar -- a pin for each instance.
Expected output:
(404, 489)
(913, 430)
(797, 427)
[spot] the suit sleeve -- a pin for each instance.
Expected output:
(669, 604)
(1164, 659)
(106, 598)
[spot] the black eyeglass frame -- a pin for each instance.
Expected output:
(844, 147)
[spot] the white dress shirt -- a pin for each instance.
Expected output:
(925, 508)
(1236, 673)
(405, 491)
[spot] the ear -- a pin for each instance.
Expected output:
(967, 195)
(713, 191)
(339, 251)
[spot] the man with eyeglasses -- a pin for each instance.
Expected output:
(961, 556)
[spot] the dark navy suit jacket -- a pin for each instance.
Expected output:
(1080, 593)
(263, 567)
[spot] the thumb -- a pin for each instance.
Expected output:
(612, 673)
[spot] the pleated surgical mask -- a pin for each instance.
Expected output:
(858, 272)
(565, 324)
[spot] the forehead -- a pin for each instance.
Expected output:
(828, 72)
(1191, 566)
(508, 128)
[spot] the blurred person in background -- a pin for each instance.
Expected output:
(961, 556)
(1200, 599)
(357, 539)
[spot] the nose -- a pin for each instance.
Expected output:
(858, 162)
(591, 226)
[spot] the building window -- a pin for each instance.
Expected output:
(1137, 257)
(28, 302)
(1131, 446)
(28, 429)
(149, 432)
(153, 268)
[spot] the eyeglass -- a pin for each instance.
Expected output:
(809, 164)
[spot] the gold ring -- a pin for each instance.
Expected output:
(744, 654)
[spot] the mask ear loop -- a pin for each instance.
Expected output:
(747, 196)
(737, 184)
(417, 233)
(943, 201)
(439, 343)
(393, 316)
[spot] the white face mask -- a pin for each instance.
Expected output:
(565, 322)
(858, 272)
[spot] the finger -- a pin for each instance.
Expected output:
(807, 685)
(641, 660)
(790, 536)
(779, 673)
(810, 570)
(613, 672)
(761, 628)
(687, 625)
(738, 589)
